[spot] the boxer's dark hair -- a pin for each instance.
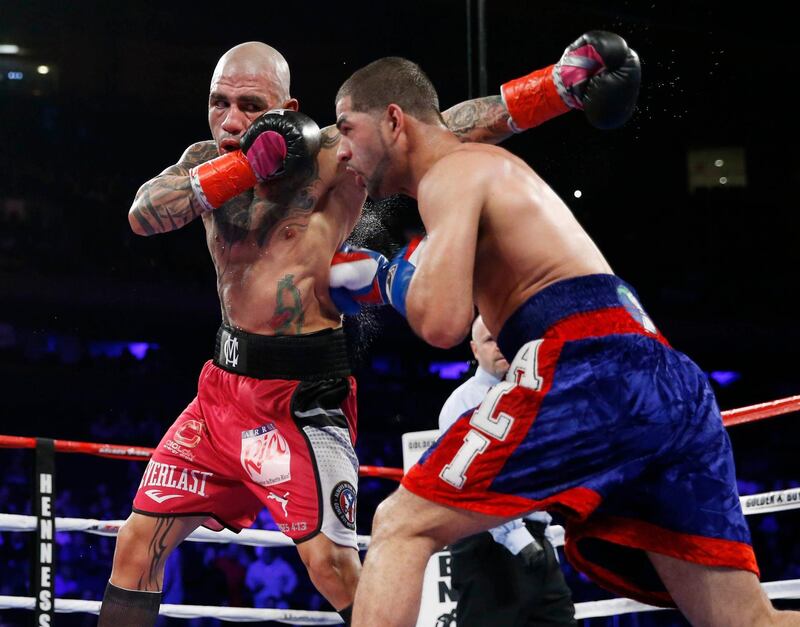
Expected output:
(393, 80)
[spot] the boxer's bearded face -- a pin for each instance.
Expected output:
(235, 100)
(364, 150)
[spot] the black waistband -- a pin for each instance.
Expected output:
(314, 356)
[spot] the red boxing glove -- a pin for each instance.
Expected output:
(597, 72)
(278, 143)
(217, 181)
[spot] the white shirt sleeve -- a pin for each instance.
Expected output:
(465, 397)
(513, 535)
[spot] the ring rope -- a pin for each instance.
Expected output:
(232, 614)
(124, 451)
(753, 504)
(730, 417)
(249, 537)
(789, 589)
(762, 503)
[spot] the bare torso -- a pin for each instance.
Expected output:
(272, 247)
(527, 238)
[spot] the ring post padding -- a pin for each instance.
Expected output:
(43, 567)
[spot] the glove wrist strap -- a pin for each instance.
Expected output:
(532, 99)
(217, 181)
(400, 272)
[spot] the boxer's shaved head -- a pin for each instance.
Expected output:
(256, 59)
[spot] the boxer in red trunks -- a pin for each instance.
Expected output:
(598, 416)
(274, 420)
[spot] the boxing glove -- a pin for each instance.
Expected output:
(400, 271)
(597, 73)
(362, 277)
(276, 143)
(358, 279)
(280, 142)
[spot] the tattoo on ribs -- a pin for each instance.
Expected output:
(289, 307)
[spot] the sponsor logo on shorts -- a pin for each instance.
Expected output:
(176, 449)
(190, 433)
(170, 476)
(300, 525)
(283, 500)
(230, 351)
(160, 497)
(634, 308)
(187, 437)
(265, 455)
(343, 501)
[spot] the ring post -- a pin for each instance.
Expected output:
(42, 573)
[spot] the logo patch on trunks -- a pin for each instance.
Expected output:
(231, 350)
(343, 501)
(634, 308)
(160, 497)
(266, 456)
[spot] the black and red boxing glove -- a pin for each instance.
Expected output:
(280, 142)
(597, 73)
(276, 143)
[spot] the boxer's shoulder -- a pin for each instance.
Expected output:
(199, 152)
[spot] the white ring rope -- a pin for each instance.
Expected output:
(232, 614)
(789, 589)
(763, 503)
(249, 537)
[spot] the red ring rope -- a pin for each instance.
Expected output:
(731, 417)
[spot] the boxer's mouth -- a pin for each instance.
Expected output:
(229, 145)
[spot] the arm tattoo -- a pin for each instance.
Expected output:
(167, 202)
(479, 120)
(289, 308)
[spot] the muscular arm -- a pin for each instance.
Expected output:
(483, 120)
(167, 202)
(440, 297)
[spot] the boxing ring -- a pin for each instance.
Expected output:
(45, 525)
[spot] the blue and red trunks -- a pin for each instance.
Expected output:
(600, 419)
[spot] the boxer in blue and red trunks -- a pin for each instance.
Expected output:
(598, 416)
(274, 419)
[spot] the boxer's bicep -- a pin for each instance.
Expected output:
(166, 202)
(440, 299)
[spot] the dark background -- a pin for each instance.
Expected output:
(126, 93)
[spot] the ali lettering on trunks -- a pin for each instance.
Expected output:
(266, 456)
(170, 476)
